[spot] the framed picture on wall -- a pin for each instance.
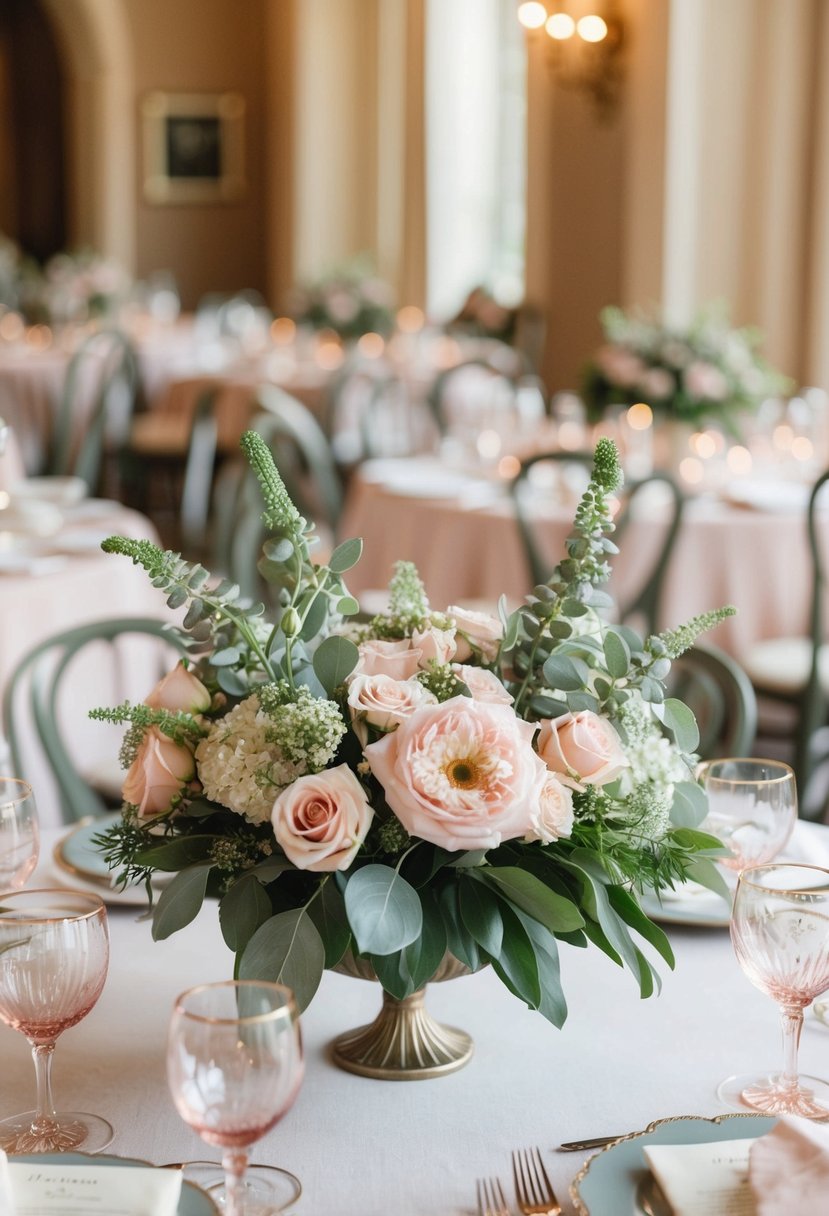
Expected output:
(193, 147)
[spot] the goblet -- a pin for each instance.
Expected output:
(54, 954)
(752, 808)
(234, 1066)
(780, 933)
(19, 833)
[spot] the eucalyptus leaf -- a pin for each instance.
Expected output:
(532, 896)
(703, 871)
(175, 852)
(617, 655)
(243, 908)
(334, 660)
(180, 901)
(690, 805)
(327, 912)
(226, 657)
(552, 1004)
(383, 910)
(348, 606)
(563, 673)
(287, 949)
(345, 555)
(315, 618)
(232, 682)
(682, 724)
(279, 549)
(516, 964)
(481, 916)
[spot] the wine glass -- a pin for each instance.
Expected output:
(234, 1066)
(54, 953)
(780, 933)
(752, 808)
(19, 833)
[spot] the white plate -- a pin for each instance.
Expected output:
(62, 491)
(611, 1182)
(703, 909)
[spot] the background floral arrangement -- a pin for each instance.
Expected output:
(707, 372)
(70, 287)
(352, 301)
(421, 783)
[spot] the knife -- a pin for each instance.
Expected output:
(574, 1146)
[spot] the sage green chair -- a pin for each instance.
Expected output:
(108, 360)
(31, 703)
(794, 671)
(719, 692)
(642, 606)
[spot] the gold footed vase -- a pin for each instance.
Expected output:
(404, 1042)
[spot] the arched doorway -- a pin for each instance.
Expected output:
(90, 165)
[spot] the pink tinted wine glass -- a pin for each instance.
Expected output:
(19, 833)
(54, 955)
(780, 933)
(234, 1066)
(752, 808)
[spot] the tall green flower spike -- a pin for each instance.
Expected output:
(607, 470)
(280, 514)
(677, 641)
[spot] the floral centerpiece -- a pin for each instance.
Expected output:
(351, 301)
(82, 286)
(422, 786)
(706, 372)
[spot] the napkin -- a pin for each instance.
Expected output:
(76, 1190)
(789, 1168)
(710, 1177)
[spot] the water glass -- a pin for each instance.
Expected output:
(752, 808)
(19, 833)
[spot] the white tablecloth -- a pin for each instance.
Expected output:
(466, 545)
(369, 1148)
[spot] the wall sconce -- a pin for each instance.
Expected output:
(584, 49)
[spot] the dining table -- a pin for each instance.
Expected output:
(745, 545)
(363, 1147)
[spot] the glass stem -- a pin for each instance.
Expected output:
(234, 1164)
(792, 1023)
(42, 1056)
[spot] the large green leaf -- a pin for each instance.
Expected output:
(481, 916)
(334, 661)
(345, 555)
(707, 874)
(617, 655)
(627, 907)
(565, 674)
(383, 910)
(287, 949)
(406, 971)
(458, 940)
(180, 901)
(690, 805)
(176, 853)
(682, 724)
(552, 1005)
(244, 907)
(517, 965)
(532, 896)
(327, 912)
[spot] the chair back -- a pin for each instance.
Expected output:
(813, 708)
(643, 604)
(31, 702)
(107, 359)
(467, 397)
(719, 692)
(199, 467)
(368, 413)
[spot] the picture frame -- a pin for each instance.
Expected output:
(193, 147)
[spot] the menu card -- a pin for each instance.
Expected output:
(710, 1178)
(97, 1190)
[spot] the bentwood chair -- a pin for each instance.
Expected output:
(107, 360)
(644, 604)
(721, 696)
(367, 413)
(48, 686)
(794, 671)
(470, 395)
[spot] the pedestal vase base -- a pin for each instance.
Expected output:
(404, 1043)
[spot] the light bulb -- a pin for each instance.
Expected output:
(532, 14)
(561, 26)
(592, 28)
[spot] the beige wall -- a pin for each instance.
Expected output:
(204, 46)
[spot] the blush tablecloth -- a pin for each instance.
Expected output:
(466, 546)
(367, 1148)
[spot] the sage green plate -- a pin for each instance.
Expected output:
(702, 911)
(192, 1202)
(613, 1182)
(76, 853)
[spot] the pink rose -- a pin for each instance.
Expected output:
(483, 685)
(657, 383)
(582, 748)
(322, 819)
(384, 702)
(159, 773)
(179, 690)
(434, 644)
(475, 631)
(396, 659)
(620, 366)
(703, 380)
(554, 815)
(462, 774)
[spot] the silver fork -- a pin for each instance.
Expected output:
(533, 1188)
(491, 1201)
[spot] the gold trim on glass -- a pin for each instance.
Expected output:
(783, 865)
(581, 1207)
(288, 1010)
(64, 894)
(787, 772)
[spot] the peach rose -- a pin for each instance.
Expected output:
(554, 816)
(434, 644)
(483, 685)
(159, 773)
(583, 749)
(475, 631)
(322, 819)
(384, 702)
(179, 690)
(396, 659)
(462, 774)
